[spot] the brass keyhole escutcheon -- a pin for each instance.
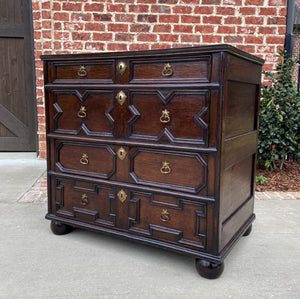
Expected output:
(165, 116)
(165, 169)
(82, 71)
(121, 153)
(84, 159)
(82, 112)
(121, 68)
(121, 97)
(84, 199)
(167, 71)
(122, 195)
(164, 216)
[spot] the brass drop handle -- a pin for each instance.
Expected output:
(164, 216)
(165, 116)
(121, 68)
(84, 159)
(121, 97)
(82, 112)
(84, 199)
(165, 169)
(82, 71)
(167, 71)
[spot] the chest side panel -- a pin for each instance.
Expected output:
(239, 146)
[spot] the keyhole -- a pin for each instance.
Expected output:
(121, 67)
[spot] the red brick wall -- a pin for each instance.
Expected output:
(296, 53)
(66, 26)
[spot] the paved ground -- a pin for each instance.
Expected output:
(34, 263)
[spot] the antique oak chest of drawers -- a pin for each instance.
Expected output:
(156, 146)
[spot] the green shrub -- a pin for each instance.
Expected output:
(261, 179)
(279, 120)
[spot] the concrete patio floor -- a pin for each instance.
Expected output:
(34, 263)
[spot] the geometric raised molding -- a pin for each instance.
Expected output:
(97, 104)
(189, 170)
(184, 126)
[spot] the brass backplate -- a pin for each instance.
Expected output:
(122, 195)
(121, 97)
(121, 68)
(121, 153)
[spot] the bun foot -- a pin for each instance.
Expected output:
(248, 231)
(209, 270)
(59, 228)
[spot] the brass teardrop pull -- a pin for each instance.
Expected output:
(164, 216)
(84, 159)
(82, 112)
(82, 71)
(165, 169)
(84, 199)
(167, 71)
(165, 116)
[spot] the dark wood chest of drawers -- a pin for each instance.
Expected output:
(155, 146)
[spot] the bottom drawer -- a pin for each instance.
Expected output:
(170, 219)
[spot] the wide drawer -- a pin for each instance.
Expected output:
(182, 171)
(95, 160)
(154, 216)
(174, 70)
(72, 112)
(82, 72)
(167, 115)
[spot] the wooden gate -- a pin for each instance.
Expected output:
(17, 97)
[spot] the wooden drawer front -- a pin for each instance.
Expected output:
(84, 72)
(170, 116)
(85, 159)
(73, 112)
(171, 70)
(179, 171)
(84, 201)
(170, 219)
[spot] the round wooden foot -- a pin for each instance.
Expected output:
(248, 231)
(209, 270)
(59, 228)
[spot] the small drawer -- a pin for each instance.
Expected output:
(169, 219)
(83, 71)
(176, 116)
(167, 169)
(85, 159)
(171, 70)
(83, 201)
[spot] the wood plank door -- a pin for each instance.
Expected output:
(17, 96)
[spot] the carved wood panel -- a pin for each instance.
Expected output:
(165, 218)
(75, 113)
(176, 116)
(169, 169)
(85, 159)
(84, 201)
